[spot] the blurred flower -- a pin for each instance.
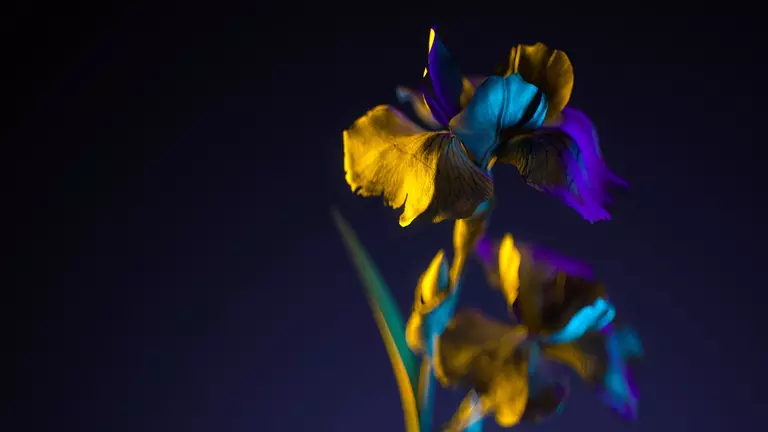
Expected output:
(569, 314)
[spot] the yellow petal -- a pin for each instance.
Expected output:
(546, 68)
(468, 86)
(467, 91)
(387, 155)
(433, 282)
(414, 333)
(509, 268)
(510, 392)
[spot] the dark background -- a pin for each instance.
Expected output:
(175, 268)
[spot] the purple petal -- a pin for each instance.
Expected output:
(570, 266)
(442, 84)
(591, 176)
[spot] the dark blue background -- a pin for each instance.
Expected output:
(176, 269)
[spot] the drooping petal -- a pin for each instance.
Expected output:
(595, 178)
(498, 106)
(470, 347)
(566, 162)
(511, 393)
(443, 83)
(482, 353)
(547, 68)
(429, 173)
(604, 360)
(619, 393)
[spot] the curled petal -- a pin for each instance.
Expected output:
(429, 173)
(566, 162)
(547, 68)
(499, 105)
(433, 283)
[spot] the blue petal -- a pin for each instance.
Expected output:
(436, 321)
(499, 104)
(619, 393)
(593, 317)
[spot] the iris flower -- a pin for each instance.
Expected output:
(490, 358)
(518, 116)
(497, 362)
(510, 370)
(569, 313)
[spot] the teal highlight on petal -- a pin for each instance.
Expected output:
(498, 104)
(593, 317)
